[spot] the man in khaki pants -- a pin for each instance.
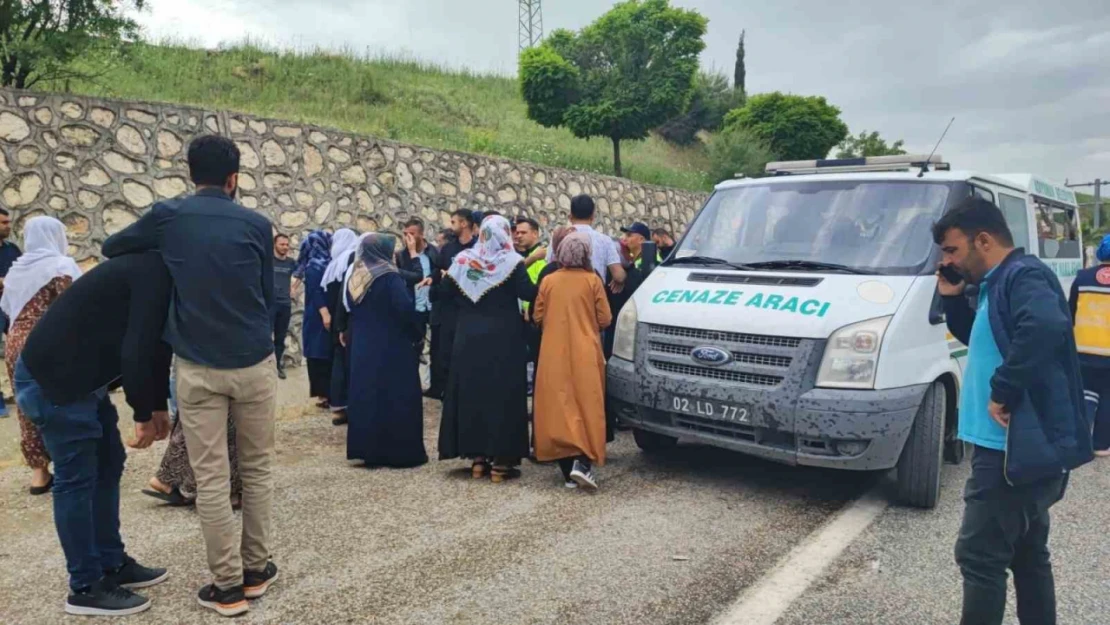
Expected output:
(220, 256)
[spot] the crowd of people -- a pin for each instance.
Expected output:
(189, 316)
(190, 311)
(377, 308)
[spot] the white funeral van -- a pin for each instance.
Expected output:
(797, 318)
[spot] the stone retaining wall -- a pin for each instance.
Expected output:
(98, 164)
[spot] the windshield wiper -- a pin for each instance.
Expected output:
(807, 264)
(707, 260)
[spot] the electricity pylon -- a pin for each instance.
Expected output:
(531, 24)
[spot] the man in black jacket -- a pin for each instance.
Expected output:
(465, 225)
(1021, 406)
(102, 332)
(416, 263)
(221, 258)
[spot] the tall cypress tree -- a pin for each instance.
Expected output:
(740, 74)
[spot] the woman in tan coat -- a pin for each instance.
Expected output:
(572, 310)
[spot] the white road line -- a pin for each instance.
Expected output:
(770, 597)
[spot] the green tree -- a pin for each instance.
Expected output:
(740, 72)
(619, 78)
(794, 127)
(737, 151)
(868, 144)
(40, 39)
(712, 99)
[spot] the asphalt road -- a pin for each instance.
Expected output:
(669, 539)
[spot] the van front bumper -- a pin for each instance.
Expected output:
(857, 430)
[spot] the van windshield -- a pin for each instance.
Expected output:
(881, 227)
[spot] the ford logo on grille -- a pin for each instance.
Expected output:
(712, 356)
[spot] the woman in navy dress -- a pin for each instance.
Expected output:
(315, 254)
(385, 410)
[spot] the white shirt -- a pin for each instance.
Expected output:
(603, 250)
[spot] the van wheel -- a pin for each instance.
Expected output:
(921, 461)
(650, 441)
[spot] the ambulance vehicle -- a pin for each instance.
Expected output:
(797, 320)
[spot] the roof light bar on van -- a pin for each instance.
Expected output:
(901, 162)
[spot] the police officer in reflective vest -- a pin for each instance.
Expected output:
(1090, 310)
(634, 237)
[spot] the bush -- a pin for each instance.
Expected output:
(797, 128)
(737, 151)
(713, 98)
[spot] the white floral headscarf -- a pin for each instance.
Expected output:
(489, 263)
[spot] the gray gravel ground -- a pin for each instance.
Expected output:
(902, 570)
(670, 539)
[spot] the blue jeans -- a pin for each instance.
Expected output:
(84, 441)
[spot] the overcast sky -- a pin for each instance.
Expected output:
(1028, 81)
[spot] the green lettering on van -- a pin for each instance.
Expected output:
(810, 307)
(772, 302)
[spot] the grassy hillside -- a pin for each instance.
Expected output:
(390, 98)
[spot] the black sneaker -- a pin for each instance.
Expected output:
(132, 575)
(230, 602)
(281, 373)
(256, 583)
(106, 598)
(583, 475)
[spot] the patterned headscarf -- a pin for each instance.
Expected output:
(1103, 252)
(374, 259)
(315, 251)
(574, 252)
(489, 263)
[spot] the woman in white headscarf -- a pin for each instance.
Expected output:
(343, 245)
(35, 280)
(485, 408)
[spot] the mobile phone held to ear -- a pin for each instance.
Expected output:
(950, 275)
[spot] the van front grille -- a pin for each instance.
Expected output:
(759, 360)
(725, 375)
(719, 336)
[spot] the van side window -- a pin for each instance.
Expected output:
(1057, 235)
(1013, 208)
(985, 194)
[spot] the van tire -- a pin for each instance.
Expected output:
(651, 442)
(922, 458)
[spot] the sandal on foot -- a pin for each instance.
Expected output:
(478, 470)
(174, 498)
(502, 474)
(42, 490)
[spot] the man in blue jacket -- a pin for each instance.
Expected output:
(1021, 407)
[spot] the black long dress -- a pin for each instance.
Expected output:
(385, 411)
(340, 364)
(485, 408)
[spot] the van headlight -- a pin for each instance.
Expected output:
(624, 339)
(852, 355)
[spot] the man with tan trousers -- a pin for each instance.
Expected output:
(220, 256)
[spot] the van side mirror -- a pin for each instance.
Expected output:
(648, 254)
(936, 311)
